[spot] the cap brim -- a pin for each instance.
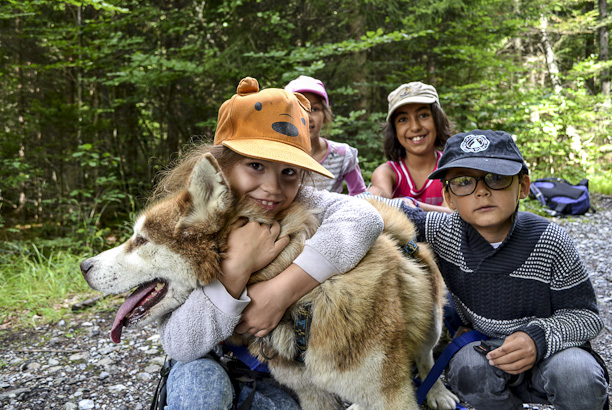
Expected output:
(411, 100)
(312, 91)
(278, 152)
(494, 165)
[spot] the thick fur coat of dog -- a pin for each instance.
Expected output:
(369, 326)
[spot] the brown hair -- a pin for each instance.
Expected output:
(174, 179)
(394, 150)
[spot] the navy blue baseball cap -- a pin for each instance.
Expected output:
(484, 150)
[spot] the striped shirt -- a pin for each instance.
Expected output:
(341, 160)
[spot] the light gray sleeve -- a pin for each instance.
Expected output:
(208, 316)
(349, 227)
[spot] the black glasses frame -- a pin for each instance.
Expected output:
(477, 179)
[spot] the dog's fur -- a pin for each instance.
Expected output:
(369, 326)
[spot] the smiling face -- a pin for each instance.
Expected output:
(488, 211)
(415, 129)
(272, 185)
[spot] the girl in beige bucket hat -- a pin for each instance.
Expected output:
(262, 144)
(414, 133)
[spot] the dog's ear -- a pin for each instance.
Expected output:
(210, 193)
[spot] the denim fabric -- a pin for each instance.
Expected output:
(204, 384)
(570, 379)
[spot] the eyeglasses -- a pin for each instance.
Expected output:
(466, 185)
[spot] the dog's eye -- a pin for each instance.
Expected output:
(139, 241)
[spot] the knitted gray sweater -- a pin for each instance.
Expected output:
(533, 282)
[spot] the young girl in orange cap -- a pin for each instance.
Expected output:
(262, 143)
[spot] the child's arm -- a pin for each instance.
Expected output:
(270, 299)
(208, 316)
(435, 208)
(382, 182)
(210, 313)
(517, 355)
(575, 318)
(349, 227)
(354, 181)
(243, 258)
(351, 173)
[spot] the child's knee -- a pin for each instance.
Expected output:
(574, 375)
(200, 383)
(468, 369)
(205, 368)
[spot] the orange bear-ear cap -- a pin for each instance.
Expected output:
(271, 124)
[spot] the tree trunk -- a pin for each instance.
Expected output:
(604, 51)
(360, 75)
(590, 50)
(553, 70)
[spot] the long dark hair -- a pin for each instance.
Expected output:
(394, 150)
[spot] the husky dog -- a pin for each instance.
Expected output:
(368, 326)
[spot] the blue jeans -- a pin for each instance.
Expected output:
(204, 384)
(570, 379)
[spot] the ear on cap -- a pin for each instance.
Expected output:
(304, 102)
(248, 85)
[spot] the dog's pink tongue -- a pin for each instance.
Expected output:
(127, 306)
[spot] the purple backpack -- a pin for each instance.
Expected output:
(562, 197)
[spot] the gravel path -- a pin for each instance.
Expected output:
(74, 365)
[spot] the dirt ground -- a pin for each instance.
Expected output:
(73, 364)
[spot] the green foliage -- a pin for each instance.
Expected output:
(99, 96)
(601, 183)
(35, 286)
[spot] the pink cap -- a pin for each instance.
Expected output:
(305, 84)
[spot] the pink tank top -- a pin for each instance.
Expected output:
(430, 193)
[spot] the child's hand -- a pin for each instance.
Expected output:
(271, 298)
(251, 246)
(517, 355)
(266, 309)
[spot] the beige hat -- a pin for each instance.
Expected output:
(415, 92)
(270, 124)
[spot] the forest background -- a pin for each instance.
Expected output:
(99, 96)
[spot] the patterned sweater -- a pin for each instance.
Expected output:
(342, 161)
(533, 282)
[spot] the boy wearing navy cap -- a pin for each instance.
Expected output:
(514, 276)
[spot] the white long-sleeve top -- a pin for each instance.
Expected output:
(349, 227)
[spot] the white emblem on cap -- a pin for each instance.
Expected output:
(406, 91)
(475, 143)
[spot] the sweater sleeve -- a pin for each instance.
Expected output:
(349, 227)
(575, 319)
(208, 316)
(352, 172)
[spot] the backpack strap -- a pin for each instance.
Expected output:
(453, 347)
(537, 194)
(243, 354)
(159, 397)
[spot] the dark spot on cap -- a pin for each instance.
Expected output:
(286, 128)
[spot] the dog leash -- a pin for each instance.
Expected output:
(453, 347)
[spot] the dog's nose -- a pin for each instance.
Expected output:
(86, 265)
